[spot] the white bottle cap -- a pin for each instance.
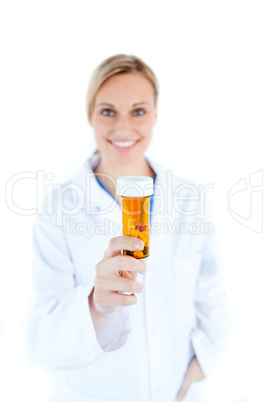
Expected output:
(135, 186)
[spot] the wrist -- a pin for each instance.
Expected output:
(96, 315)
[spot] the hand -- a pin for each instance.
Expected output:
(193, 373)
(108, 281)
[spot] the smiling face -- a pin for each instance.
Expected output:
(123, 117)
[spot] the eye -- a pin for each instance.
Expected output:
(107, 112)
(139, 112)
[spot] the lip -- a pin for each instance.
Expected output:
(123, 149)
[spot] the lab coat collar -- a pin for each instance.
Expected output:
(98, 201)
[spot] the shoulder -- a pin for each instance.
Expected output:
(167, 177)
(67, 196)
(181, 194)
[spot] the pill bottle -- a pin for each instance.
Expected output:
(135, 192)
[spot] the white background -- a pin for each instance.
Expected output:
(211, 62)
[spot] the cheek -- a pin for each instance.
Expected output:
(100, 128)
(147, 127)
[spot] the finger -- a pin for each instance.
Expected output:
(114, 265)
(197, 373)
(108, 301)
(184, 388)
(128, 274)
(194, 370)
(118, 284)
(193, 373)
(116, 244)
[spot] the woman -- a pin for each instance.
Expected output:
(158, 342)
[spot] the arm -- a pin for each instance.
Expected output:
(58, 327)
(60, 330)
(211, 337)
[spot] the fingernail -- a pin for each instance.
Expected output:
(138, 245)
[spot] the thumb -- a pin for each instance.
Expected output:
(185, 387)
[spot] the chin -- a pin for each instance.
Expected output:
(126, 160)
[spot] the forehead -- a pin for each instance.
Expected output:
(128, 86)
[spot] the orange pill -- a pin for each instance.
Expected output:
(138, 254)
(141, 236)
(133, 232)
(146, 242)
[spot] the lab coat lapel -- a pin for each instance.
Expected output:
(98, 204)
(159, 214)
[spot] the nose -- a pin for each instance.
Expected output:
(123, 126)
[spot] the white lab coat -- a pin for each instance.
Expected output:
(139, 353)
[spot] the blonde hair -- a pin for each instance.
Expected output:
(111, 66)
